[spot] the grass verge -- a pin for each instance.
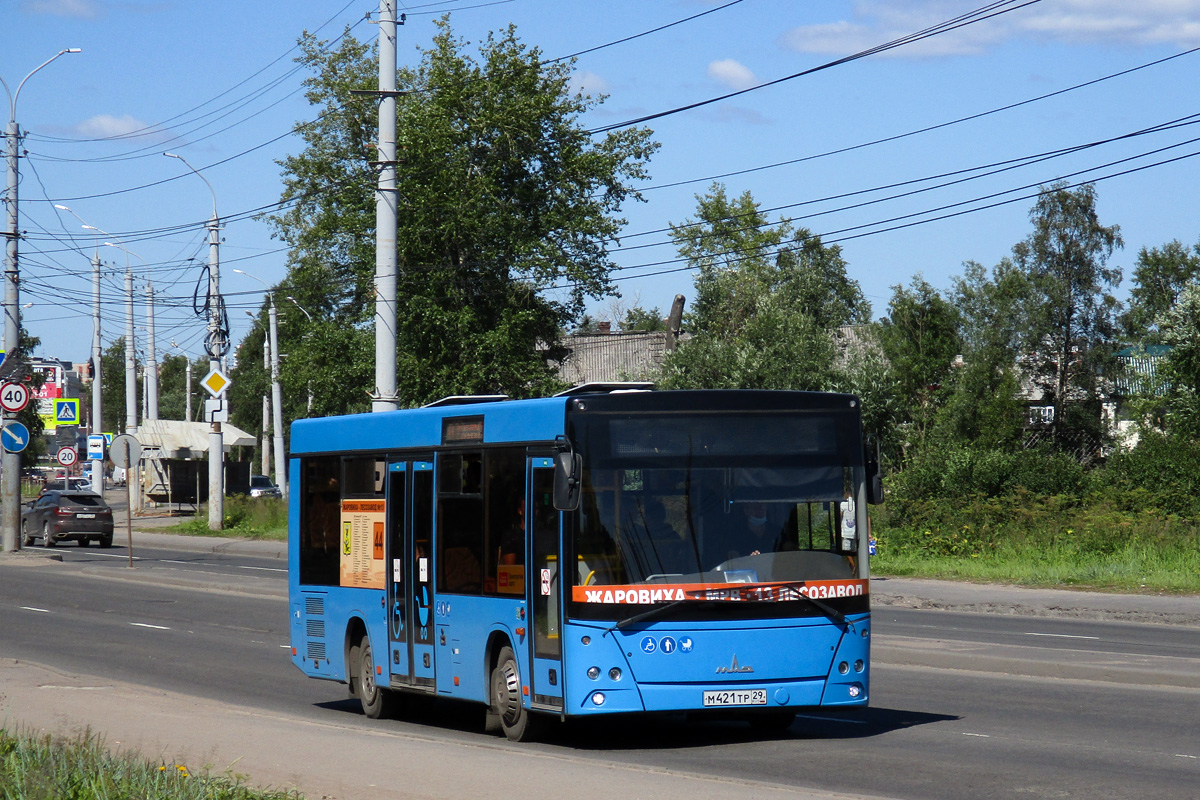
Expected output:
(53, 768)
(245, 518)
(1039, 540)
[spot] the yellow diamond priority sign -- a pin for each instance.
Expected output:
(215, 382)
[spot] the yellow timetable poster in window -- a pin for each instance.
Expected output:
(362, 563)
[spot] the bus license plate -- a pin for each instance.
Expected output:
(736, 697)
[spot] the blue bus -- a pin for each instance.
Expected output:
(605, 551)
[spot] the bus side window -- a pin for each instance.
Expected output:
(460, 539)
(319, 521)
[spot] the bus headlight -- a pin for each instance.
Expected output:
(843, 668)
(593, 672)
(859, 666)
(614, 674)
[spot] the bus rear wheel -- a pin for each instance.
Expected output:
(376, 700)
(515, 720)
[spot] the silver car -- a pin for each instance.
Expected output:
(261, 486)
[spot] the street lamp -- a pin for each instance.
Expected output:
(10, 463)
(310, 319)
(97, 369)
(276, 392)
(266, 417)
(217, 345)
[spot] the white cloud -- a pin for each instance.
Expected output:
(589, 83)
(732, 74)
(874, 22)
(105, 125)
(82, 9)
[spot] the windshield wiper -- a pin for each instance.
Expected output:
(652, 613)
(829, 610)
(657, 611)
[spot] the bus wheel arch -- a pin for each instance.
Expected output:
(505, 699)
(356, 631)
(497, 641)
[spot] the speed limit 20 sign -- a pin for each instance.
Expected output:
(13, 396)
(67, 456)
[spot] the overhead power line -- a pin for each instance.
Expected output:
(970, 18)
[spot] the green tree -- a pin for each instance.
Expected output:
(502, 194)
(1180, 327)
(640, 319)
(984, 407)
(112, 385)
(172, 386)
(920, 340)
(1158, 277)
(768, 301)
(1071, 338)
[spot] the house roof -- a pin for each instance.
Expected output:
(172, 438)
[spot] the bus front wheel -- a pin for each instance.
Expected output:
(376, 700)
(515, 720)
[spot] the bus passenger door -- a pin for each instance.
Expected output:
(420, 575)
(545, 587)
(410, 638)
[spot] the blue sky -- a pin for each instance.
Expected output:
(215, 83)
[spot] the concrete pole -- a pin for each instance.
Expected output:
(277, 401)
(266, 423)
(266, 436)
(216, 349)
(97, 374)
(10, 463)
(151, 357)
(216, 345)
(130, 359)
(386, 217)
(10, 479)
(188, 389)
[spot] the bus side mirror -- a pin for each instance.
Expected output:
(874, 478)
(568, 470)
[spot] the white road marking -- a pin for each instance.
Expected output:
(39, 610)
(263, 569)
(1063, 636)
(980, 735)
(1183, 755)
(154, 627)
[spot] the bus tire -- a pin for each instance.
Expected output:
(505, 703)
(376, 700)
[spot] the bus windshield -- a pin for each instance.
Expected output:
(715, 507)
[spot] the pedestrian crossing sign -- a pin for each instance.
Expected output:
(66, 411)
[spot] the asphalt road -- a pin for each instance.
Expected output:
(980, 705)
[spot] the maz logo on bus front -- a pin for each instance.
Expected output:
(734, 667)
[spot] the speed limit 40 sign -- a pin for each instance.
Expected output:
(13, 396)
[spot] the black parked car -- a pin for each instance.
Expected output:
(59, 515)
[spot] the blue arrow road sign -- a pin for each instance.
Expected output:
(15, 437)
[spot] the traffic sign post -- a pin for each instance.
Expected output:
(124, 452)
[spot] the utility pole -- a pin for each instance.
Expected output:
(151, 357)
(10, 463)
(266, 420)
(217, 345)
(386, 261)
(97, 372)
